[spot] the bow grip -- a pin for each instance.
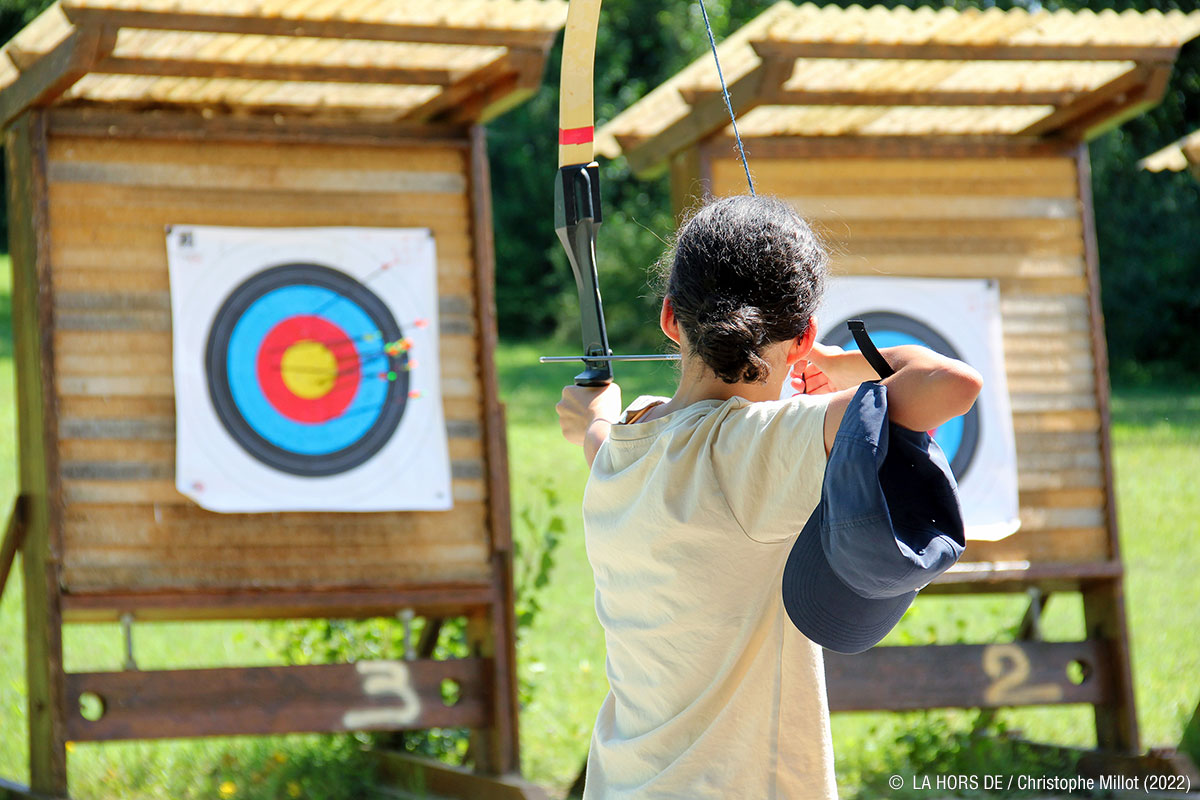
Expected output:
(577, 217)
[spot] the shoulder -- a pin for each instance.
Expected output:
(642, 403)
(801, 410)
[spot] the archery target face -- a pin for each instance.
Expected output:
(960, 319)
(306, 369)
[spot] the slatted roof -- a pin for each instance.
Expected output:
(1176, 157)
(384, 60)
(825, 71)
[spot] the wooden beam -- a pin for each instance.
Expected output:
(968, 676)
(37, 435)
(367, 695)
(49, 76)
(1118, 90)
(192, 126)
(1120, 112)
(705, 117)
(966, 577)
(195, 17)
(870, 97)
(941, 51)
(14, 533)
(442, 599)
(489, 84)
(425, 777)
(272, 71)
(887, 147)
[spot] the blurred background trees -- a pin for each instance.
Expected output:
(1148, 224)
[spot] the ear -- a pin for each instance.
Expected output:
(667, 320)
(802, 345)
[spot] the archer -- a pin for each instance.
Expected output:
(695, 503)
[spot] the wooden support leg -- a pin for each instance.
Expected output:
(37, 428)
(44, 677)
(10, 542)
(494, 748)
(428, 640)
(1030, 627)
(1104, 617)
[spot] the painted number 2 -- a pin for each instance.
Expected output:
(1008, 667)
(384, 678)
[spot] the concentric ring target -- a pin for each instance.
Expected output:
(958, 438)
(298, 372)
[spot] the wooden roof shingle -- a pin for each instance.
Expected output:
(826, 71)
(416, 61)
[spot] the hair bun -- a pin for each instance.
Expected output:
(744, 272)
(729, 343)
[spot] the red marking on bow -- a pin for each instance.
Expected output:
(576, 135)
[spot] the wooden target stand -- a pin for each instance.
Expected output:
(104, 537)
(360, 131)
(1059, 391)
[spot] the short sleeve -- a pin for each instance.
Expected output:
(769, 461)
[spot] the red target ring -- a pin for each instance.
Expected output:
(341, 386)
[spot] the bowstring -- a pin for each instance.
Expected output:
(725, 92)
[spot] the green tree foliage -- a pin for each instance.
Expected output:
(1148, 224)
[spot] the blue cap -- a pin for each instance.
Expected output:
(888, 523)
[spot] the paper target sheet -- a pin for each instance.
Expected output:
(958, 318)
(306, 369)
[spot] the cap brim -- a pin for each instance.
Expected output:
(827, 611)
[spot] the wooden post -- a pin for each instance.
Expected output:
(37, 426)
(495, 635)
(1104, 601)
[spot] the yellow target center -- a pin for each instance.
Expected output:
(309, 369)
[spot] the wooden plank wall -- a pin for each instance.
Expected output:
(1017, 220)
(124, 525)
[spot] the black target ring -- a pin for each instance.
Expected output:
(368, 323)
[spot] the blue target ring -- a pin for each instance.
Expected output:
(958, 438)
(252, 329)
(293, 416)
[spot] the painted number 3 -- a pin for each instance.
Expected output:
(381, 678)
(1008, 667)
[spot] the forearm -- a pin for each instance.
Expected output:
(927, 389)
(595, 436)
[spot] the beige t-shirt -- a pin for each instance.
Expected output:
(688, 521)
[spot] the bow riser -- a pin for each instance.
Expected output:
(577, 218)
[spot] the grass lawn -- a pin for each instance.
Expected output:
(1157, 436)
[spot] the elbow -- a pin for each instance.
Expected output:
(965, 384)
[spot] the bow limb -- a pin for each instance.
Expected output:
(577, 185)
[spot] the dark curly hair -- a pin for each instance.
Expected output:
(744, 272)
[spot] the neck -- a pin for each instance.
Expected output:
(699, 383)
